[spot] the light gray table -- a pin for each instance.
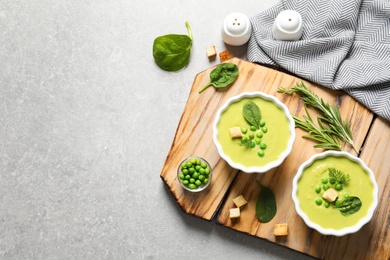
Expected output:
(87, 120)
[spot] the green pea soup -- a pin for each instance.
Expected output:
(276, 138)
(359, 185)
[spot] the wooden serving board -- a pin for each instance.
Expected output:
(194, 137)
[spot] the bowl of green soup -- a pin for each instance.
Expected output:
(335, 193)
(253, 132)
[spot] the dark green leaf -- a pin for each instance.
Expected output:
(265, 204)
(252, 113)
(350, 205)
(222, 76)
(172, 51)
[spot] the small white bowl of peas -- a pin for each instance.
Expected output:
(194, 174)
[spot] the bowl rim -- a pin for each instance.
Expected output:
(270, 165)
(201, 188)
(330, 231)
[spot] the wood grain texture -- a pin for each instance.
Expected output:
(194, 137)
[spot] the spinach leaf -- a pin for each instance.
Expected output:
(350, 205)
(222, 76)
(265, 204)
(252, 113)
(172, 51)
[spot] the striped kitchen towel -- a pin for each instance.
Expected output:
(345, 46)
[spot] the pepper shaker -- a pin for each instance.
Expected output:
(287, 26)
(236, 29)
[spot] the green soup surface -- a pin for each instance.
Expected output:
(276, 137)
(359, 185)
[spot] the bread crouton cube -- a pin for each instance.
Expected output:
(330, 195)
(235, 213)
(281, 229)
(240, 201)
(235, 132)
(224, 56)
(211, 52)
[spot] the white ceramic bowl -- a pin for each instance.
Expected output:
(316, 226)
(290, 141)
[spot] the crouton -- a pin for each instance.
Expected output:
(235, 132)
(240, 201)
(281, 229)
(235, 213)
(330, 195)
(224, 56)
(211, 52)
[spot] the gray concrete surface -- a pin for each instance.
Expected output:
(87, 119)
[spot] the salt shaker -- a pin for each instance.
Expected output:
(236, 29)
(287, 26)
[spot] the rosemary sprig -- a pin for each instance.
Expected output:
(321, 133)
(331, 114)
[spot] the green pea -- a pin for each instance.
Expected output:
(264, 129)
(191, 170)
(325, 186)
(189, 164)
(202, 171)
(195, 175)
(337, 203)
(198, 183)
(318, 189)
(260, 153)
(332, 180)
(259, 134)
(192, 186)
(192, 180)
(185, 171)
(206, 181)
(244, 139)
(318, 201)
(203, 165)
(253, 144)
(193, 160)
(263, 146)
(258, 140)
(197, 167)
(202, 177)
(262, 122)
(184, 166)
(244, 130)
(207, 171)
(338, 186)
(187, 177)
(326, 204)
(181, 176)
(324, 180)
(346, 195)
(251, 135)
(186, 182)
(253, 128)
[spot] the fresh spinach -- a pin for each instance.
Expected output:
(252, 113)
(222, 76)
(172, 51)
(265, 204)
(350, 205)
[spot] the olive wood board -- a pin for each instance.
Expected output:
(194, 138)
